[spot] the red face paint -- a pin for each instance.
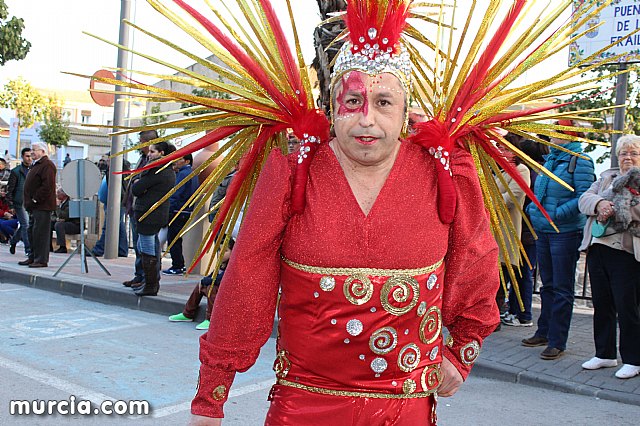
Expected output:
(353, 84)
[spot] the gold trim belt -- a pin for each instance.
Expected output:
(365, 271)
(334, 392)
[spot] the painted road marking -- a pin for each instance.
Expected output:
(173, 409)
(65, 325)
(49, 380)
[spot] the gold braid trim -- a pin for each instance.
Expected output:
(356, 394)
(366, 271)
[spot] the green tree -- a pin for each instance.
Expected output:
(55, 130)
(605, 96)
(154, 118)
(12, 45)
(29, 105)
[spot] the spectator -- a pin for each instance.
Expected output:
(15, 198)
(145, 136)
(513, 196)
(8, 222)
(67, 160)
(64, 224)
(204, 289)
(149, 189)
(181, 218)
(536, 151)
(40, 201)
(4, 170)
(614, 260)
(557, 253)
(103, 196)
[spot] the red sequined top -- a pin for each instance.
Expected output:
(402, 231)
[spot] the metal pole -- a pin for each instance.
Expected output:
(115, 180)
(622, 81)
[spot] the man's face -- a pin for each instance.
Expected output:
(37, 153)
(369, 113)
(2, 165)
(26, 158)
(180, 163)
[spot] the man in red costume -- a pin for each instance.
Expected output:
(368, 276)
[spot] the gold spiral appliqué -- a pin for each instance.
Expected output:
(358, 289)
(409, 357)
(219, 393)
(469, 352)
(383, 340)
(431, 325)
(282, 365)
(431, 377)
(403, 290)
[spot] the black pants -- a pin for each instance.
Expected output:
(40, 235)
(615, 288)
(177, 259)
(64, 228)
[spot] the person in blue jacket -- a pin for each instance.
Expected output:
(557, 252)
(177, 201)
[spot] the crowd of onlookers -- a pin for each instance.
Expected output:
(599, 216)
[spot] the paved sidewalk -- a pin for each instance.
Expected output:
(502, 357)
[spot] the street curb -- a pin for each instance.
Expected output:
(123, 297)
(506, 373)
(87, 290)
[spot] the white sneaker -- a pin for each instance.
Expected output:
(628, 371)
(596, 363)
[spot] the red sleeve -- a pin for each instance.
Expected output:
(471, 278)
(243, 313)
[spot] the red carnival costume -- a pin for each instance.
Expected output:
(363, 299)
(366, 294)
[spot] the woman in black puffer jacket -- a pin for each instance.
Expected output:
(148, 190)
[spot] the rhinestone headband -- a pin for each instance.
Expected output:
(374, 59)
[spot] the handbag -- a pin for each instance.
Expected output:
(599, 229)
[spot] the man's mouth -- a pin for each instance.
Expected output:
(366, 140)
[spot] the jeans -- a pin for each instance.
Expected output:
(23, 219)
(8, 227)
(615, 287)
(149, 245)
(557, 258)
(525, 285)
(123, 243)
(138, 273)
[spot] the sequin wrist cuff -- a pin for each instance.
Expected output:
(454, 356)
(212, 392)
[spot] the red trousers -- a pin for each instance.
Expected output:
(295, 407)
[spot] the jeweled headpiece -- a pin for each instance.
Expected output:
(374, 46)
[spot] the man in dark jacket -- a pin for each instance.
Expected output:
(15, 191)
(40, 201)
(176, 202)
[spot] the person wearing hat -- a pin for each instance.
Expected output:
(557, 249)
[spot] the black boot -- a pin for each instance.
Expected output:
(151, 276)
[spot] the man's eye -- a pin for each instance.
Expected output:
(384, 102)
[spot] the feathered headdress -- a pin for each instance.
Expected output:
(466, 96)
